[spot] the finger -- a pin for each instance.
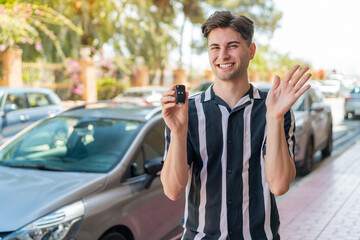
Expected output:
(276, 83)
(298, 76)
(166, 108)
(302, 90)
(169, 105)
(290, 73)
(168, 93)
(301, 83)
(167, 99)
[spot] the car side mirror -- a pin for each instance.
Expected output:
(152, 170)
(9, 108)
(317, 107)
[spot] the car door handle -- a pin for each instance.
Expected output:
(24, 118)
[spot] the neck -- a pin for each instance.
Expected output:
(231, 92)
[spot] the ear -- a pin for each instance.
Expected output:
(252, 50)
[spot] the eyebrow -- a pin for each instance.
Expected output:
(229, 43)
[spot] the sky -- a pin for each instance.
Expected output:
(324, 33)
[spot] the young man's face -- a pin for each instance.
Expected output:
(229, 54)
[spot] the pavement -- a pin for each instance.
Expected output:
(325, 204)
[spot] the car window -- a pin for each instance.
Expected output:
(16, 101)
(73, 143)
(299, 105)
(319, 95)
(38, 100)
(152, 147)
(355, 90)
(312, 98)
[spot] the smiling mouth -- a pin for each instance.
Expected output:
(225, 65)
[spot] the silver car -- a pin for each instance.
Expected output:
(313, 127)
(22, 106)
(143, 96)
(88, 173)
(352, 104)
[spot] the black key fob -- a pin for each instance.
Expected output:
(180, 94)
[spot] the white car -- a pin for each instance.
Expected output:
(330, 88)
(143, 96)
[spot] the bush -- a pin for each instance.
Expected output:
(108, 88)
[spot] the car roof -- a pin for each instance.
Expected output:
(147, 89)
(26, 89)
(114, 110)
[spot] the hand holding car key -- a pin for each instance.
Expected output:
(180, 94)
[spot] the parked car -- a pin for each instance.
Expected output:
(201, 87)
(90, 172)
(144, 96)
(352, 104)
(313, 127)
(330, 88)
(20, 107)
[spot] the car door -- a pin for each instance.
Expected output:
(151, 209)
(318, 119)
(16, 114)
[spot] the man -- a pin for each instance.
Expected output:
(231, 148)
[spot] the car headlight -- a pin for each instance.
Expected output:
(58, 225)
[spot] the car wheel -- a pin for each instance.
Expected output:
(305, 168)
(328, 149)
(113, 236)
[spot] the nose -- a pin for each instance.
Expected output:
(223, 54)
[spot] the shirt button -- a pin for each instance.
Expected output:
(230, 232)
(229, 171)
(229, 202)
(229, 141)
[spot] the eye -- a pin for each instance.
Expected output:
(214, 48)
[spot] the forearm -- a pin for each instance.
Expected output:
(174, 174)
(279, 165)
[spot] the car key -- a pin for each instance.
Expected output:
(180, 94)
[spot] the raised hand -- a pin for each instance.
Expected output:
(283, 94)
(175, 115)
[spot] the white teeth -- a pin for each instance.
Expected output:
(225, 65)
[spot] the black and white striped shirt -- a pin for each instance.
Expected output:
(227, 196)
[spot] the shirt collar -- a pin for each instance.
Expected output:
(209, 94)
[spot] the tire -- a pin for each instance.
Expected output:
(113, 236)
(306, 167)
(328, 149)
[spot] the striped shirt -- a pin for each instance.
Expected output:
(227, 196)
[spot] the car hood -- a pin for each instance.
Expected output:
(28, 194)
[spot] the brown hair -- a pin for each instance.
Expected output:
(224, 19)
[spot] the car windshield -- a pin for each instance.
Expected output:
(355, 90)
(331, 83)
(72, 144)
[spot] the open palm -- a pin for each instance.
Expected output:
(283, 94)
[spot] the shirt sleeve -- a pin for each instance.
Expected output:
(289, 127)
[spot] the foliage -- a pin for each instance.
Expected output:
(24, 23)
(108, 88)
(98, 19)
(268, 61)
